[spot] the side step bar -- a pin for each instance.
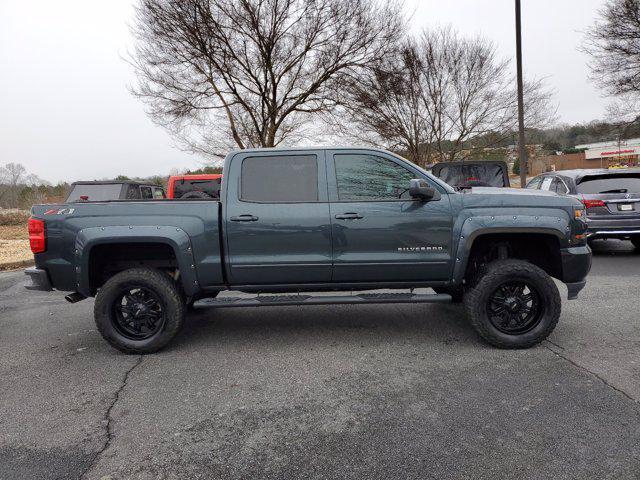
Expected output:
(285, 300)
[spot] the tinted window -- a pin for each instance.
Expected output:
(133, 192)
(560, 186)
(535, 183)
(210, 187)
(369, 177)
(487, 175)
(95, 192)
(146, 192)
(610, 184)
(286, 178)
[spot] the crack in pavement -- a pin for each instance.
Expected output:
(108, 419)
(581, 367)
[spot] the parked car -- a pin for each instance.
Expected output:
(611, 198)
(195, 186)
(470, 173)
(298, 221)
(99, 191)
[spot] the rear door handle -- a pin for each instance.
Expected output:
(244, 218)
(349, 216)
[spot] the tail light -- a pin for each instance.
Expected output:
(593, 203)
(37, 239)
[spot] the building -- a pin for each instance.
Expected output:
(612, 152)
(593, 155)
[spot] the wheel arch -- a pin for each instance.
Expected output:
(121, 247)
(472, 241)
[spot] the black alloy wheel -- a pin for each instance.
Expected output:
(515, 308)
(513, 304)
(139, 310)
(138, 313)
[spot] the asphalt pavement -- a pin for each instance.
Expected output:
(338, 392)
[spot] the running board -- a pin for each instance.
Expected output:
(285, 300)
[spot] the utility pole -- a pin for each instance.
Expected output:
(521, 141)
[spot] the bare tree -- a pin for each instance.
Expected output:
(13, 177)
(613, 43)
(441, 93)
(252, 73)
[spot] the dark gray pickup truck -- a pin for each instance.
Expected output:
(293, 222)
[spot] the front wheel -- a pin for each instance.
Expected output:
(514, 304)
(139, 310)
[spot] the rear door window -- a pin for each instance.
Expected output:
(146, 192)
(133, 192)
(158, 193)
(560, 187)
(279, 179)
(546, 183)
(609, 184)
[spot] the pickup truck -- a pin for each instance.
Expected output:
(292, 225)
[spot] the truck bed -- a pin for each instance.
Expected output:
(190, 228)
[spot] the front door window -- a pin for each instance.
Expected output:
(363, 177)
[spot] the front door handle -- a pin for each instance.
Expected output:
(244, 218)
(349, 216)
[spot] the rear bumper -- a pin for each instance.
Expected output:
(39, 280)
(613, 227)
(576, 264)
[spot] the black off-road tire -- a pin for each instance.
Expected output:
(196, 194)
(498, 273)
(636, 242)
(457, 294)
(162, 286)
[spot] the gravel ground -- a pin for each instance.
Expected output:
(338, 392)
(14, 232)
(14, 247)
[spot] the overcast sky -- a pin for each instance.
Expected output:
(66, 113)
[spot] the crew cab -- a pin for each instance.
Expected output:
(292, 225)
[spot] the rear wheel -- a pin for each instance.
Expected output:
(514, 304)
(636, 242)
(139, 310)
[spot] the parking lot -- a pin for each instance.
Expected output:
(386, 391)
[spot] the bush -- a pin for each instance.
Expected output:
(14, 216)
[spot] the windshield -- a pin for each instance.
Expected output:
(610, 184)
(95, 192)
(490, 175)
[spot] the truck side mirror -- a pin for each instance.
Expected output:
(420, 190)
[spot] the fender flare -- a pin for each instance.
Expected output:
(474, 227)
(175, 237)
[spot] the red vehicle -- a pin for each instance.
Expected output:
(195, 186)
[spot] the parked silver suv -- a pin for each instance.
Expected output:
(611, 198)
